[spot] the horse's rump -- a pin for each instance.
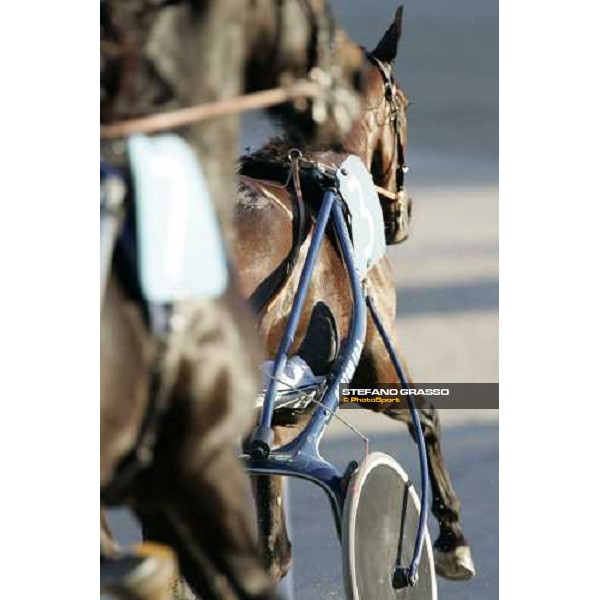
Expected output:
(276, 191)
(263, 200)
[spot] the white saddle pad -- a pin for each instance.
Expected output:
(181, 251)
(368, 232)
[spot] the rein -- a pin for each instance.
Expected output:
(319, 85)
(303, 88)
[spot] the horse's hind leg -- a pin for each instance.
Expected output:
(208, 521)
(318, 349)
(274, 540)
(270, 506)
(197, 496)
(452, 553)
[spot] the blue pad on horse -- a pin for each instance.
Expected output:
(368, 232)
(181, 251)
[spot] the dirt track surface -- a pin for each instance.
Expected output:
(470, 444)
(471, 452)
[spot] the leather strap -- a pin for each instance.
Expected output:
(300, 226)
(300, 223)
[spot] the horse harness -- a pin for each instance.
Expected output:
(121, 57)
(118, 250)
(117, 208)
(397, 207)
(395, 115)
(299, 172)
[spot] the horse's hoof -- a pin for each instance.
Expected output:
(148, 573)
(279, 570)
(455, 564)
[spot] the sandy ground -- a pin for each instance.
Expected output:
(471, 453)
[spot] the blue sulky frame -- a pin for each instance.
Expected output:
(301, 457)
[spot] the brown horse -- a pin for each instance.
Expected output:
(278, 51)
(173, 406)
(264, 224)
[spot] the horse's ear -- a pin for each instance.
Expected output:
(388, 45)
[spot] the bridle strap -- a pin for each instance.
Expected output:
(394, 196)
(395, 112)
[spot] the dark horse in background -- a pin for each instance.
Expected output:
(185, 484)
(264, 226)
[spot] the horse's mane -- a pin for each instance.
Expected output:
(277, 149)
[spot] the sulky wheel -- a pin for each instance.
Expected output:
(381, 517)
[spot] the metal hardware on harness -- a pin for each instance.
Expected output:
(312, 400)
